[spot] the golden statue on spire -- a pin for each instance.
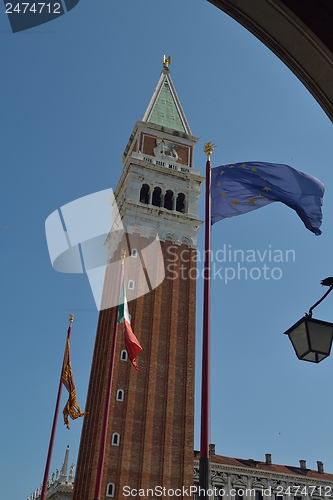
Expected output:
(166, 61)
(209, 148)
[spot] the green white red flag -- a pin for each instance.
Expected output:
(132, 344)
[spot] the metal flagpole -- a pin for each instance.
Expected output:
(204, 475)
(98, 484)
(55, 418)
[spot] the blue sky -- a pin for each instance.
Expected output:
(72, 91)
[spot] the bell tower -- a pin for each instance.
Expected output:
(150, 437)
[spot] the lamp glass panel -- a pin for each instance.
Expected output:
(311, 356)
(320, 337)
(299, 339)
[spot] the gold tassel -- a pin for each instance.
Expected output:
(72, 409)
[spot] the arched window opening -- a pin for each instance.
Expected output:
(144, 194)
(131, 285)
(168, 199)
(156, 201)
(240, 494)
(115, 441)
(123, 355)
(120, 395)
(180, 203)
(110, 490)
(134, 252)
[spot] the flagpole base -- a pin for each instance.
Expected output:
(204, 477)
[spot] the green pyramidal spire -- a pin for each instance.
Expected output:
(164, 108)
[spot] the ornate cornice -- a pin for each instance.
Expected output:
(289, 478)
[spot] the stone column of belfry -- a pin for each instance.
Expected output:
(154, 421)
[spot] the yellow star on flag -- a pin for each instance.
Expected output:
(222, 172)
(223, 193)
(219, 184)
(232, 166)
(251, 201)
(243, 165)
(261, 196)
(235, 202)
(253, 169)
(266, 188)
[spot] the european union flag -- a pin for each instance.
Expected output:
(238, 188)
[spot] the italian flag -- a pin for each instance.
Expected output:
(132, 344)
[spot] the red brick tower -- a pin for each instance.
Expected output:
(151, 416)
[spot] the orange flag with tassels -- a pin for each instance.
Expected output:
(72, 408)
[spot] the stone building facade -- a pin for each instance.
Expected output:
(248, 479)
(60, 483)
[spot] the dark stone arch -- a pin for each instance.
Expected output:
(168, 199)
(299, 33)
(156, 201)
(180, 203)
(144, 194)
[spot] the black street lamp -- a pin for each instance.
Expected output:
(312, 338)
